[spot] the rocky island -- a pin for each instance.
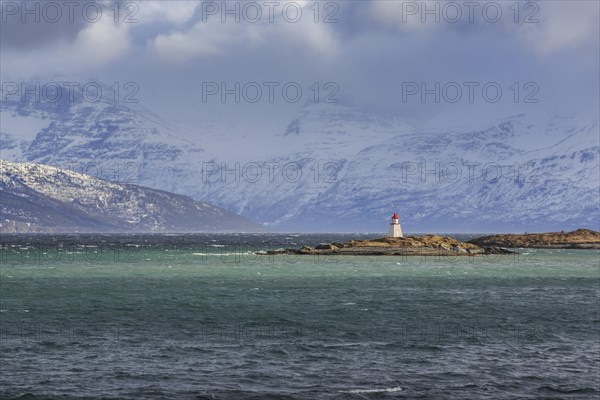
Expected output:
(578, 239)
(435, 245)
(428, 245)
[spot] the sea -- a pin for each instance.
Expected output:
(211, 316)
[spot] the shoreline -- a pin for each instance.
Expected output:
(427, 245)
(585, 239)
(444, 246)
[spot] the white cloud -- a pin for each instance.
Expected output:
(406, 15)
(95, 46)
(560, 24)
(177, 12)
(564, 25)
(101, 42)
(204, 39)
(317, 37)
(212, 37)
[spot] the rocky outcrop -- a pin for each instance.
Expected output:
(578, 239)
(428, 245)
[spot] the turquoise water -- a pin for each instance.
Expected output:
(204, 317)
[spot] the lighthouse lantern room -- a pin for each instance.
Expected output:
(395, 228)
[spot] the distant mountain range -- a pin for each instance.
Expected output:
(335, 167)
(41, 198)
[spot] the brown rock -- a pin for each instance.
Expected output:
(580, 238)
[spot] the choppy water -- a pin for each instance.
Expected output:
(201, 316)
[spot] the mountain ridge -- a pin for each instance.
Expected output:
(40, 198)
(354, 167)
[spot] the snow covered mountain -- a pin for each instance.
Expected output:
(519, 172)
(108, 138)
(334, 167)
(482, 180)
(40, 198)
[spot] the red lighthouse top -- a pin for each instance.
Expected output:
(395, 216)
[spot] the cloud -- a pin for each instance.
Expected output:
(177, 12)
(564, 26)
(405, 15)
(316, 37)
(210, 36)
(204, 39)
(546, 27)
(101, 42)
(369, 52)
(94, 46)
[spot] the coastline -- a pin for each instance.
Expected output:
(435, 245)
(585, 239)
(427, 245)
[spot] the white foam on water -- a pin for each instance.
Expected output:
(384, 390)
(224, 254)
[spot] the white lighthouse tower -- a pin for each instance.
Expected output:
(395, 228)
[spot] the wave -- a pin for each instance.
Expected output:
(225, 254)
(567, 390)
(382, 390)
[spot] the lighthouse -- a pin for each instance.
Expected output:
(395, 228)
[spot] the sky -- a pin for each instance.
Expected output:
(429, 62)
